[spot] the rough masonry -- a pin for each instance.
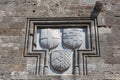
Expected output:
(13, 20)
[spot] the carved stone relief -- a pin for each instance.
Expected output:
(62, 45)
(60, 60)
(72, 38)
(49, 39)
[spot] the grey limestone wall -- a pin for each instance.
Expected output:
(13, 17)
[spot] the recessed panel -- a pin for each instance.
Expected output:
(61, 44)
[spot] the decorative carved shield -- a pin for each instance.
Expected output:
(72, 38)
(49, 38)
(60, 60)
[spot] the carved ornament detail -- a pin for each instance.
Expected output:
(60, 60)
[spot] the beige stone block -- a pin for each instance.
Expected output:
(4, 45)
(103, 30)
(19, 75)
(10, 45)
(16, 67)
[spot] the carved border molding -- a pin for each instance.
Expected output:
(81, 56)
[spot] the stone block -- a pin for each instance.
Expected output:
(17, 60)
(18, 2)
(31, 68)
(116, 10)
(108, 1)
(15, 53)
(2, 13)
(7, 19)
(116, 30)
(20, 59)
(101, 20)
(4, 51)
(16, 25)
(4, 32)
(20, 11)
(88, 2)
(19, 75)
(4, 25)
(104, 30)
(31, 65)
(5, 75)
(12, 39)
(15, 67)
(110, 20)
(15, 32)
(3, 59)
(117, 20)
(2, 67)
(113, 39)
(117, 7)
(117, 13)
(4, 44)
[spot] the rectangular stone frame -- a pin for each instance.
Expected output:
(64, 22)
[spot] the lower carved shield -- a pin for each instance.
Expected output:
(60, 60)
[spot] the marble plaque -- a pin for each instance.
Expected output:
(61, 44)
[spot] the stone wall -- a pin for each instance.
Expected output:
(13, 19)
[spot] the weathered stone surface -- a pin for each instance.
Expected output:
(104, 30)
(88, 2)
(16, 67)
(101, 20)
(13, 16)
(31, 65)
(3, 67)
(5, 75)
(110, 20)
(117, 21)
(19, 75)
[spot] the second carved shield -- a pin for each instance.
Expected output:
(72, 38)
